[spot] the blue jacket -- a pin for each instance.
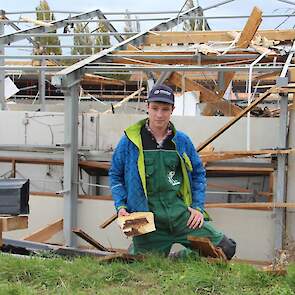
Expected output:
(127, 172)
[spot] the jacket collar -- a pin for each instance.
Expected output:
(133, 131)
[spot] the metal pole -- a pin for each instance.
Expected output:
(2, 63)
(70, 162)
(42, 86)
(280, 213)
(281, 191)
(248, 140)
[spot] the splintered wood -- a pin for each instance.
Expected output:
(137, 223)
(206, 248)
(83, 235)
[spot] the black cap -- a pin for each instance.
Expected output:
(161, 93)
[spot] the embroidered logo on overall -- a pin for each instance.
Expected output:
(174, 182)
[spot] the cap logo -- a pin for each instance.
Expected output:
(162, 92)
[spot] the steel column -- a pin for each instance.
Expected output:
(2, 63)
(42, 86)
(280, 213)
(70, 162)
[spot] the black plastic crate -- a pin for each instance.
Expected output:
(14, 196)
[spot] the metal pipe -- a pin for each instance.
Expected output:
(71, 162)
(105, 13)
(288, 2)
(77, 34)
(97, 68)
(161, 18)
(2, 63)
(58, 46)
(250, 94)
(42, 86)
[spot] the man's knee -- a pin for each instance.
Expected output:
(228, 247)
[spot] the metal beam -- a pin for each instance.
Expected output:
(280, 213)
(71, 102)
(97, 68)
(2, 63)
(135, 68)
(13, 37)
(65, 76)
(42, 85)
(281, 190)
(28, 37)
(110, 27)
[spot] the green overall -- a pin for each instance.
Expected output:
(163, 180)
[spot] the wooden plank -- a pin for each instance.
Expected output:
(226, 108)
(82, 163)
(96, 79)
(132, 47)
(207, 95)
(126, 99)
(206, 36)
(190, 85)
(228, 77)
(268, 205)
(219, 156)
(10, 223)
(206, 248)
(44, 234)
(83, 235)
(109, 221)
(250, 28)
(235, 188)
(234, 120)
(239, 169)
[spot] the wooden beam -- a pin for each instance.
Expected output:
(10, 223)
(235, 188)
(268, 205)
(190, 85)
(44, 234)
(219, 156)
(82, 163)
(225, 107)
(250, 28)
(126, 99)
(83, 235)
(96, 79)
(206, 248)
(109, 221)
(206, 36)
(228, 77)
(207, 95)
(240, 170)
(234, 120)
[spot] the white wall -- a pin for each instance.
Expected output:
(264, 131)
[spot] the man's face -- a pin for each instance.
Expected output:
(159, 114)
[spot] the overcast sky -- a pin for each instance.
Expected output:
(237, 7)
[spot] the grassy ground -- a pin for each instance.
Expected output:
(156, 275)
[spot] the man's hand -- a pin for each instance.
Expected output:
(196, 219)
(123, 212)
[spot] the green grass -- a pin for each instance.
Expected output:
(156, 275)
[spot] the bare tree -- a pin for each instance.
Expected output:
(195, 24)
(52, 40)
